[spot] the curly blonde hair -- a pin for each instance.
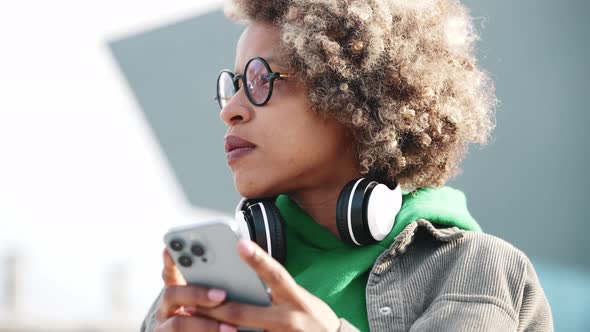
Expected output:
(400, 74)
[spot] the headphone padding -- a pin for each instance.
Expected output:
(277, 234)
(360, 226)
(342, 210)
(256, 217)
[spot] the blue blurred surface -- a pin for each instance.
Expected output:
(568, 290)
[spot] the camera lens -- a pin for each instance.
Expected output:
(176, 245)
(198, 250)
(185, 261)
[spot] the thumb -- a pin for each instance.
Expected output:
(170, 274)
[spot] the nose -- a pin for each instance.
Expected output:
(237, 110)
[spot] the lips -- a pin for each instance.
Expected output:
(235, 142)
(236, 148)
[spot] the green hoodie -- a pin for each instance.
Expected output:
(336, 272)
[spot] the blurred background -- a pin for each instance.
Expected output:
(109, 135)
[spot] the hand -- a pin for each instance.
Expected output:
(293, 308)
(177, 310)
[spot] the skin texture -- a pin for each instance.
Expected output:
(299, 152)
(402, 75)
(190, 308)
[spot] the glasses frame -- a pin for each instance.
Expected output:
(272, 76)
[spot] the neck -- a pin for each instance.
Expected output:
(321, 207)
(320, 202)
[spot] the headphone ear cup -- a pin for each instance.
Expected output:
(245, 230)
(342, 212)
(351, 218)
(381, 209)
(267, 229)
(277, 233)
(366, 211)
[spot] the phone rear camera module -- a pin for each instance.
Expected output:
(185, 261)
(198, 250)
(176, 245)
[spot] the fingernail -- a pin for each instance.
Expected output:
(246, 248)
(216, 295)
(227, 328)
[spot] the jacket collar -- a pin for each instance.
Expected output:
(406, 237)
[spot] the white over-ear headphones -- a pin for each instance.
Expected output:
(365, 214)
(366, 211)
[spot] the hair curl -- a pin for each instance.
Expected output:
(401, 74)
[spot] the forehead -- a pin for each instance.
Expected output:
(258, 39)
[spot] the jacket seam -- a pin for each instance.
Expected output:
(481, 299)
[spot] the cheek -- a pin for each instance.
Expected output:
(285, 147)
(291, 157)
(302, 146)
(286, 135)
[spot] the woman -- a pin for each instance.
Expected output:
(329, 91)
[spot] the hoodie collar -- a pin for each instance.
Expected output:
(444, 206)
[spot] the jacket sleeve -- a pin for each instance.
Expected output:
(535, 313)
(149, 322)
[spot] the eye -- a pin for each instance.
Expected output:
(260, 79)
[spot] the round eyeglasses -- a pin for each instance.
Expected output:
(258, 79)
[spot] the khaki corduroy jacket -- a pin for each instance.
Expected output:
(447, 279)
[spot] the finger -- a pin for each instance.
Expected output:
(275, 276)
(170, 273)
(270, 318)
(176, 297)
(195, 323)
(185, 311)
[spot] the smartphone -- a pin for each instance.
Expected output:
(206, 254)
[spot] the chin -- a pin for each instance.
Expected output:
(249, 187)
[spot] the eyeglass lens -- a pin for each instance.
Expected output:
(257, 79)
(225, 88)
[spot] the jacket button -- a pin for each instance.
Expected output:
(385, 310)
